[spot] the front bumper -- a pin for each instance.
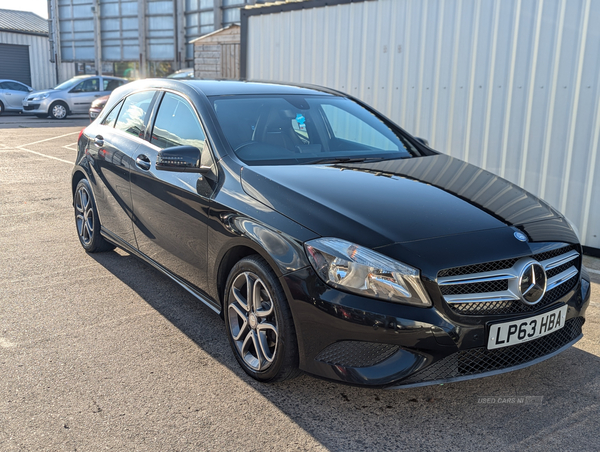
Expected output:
(93, 113)
(362, 341)
(36, 107)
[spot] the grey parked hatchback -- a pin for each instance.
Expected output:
(73, 96)
(12, 94)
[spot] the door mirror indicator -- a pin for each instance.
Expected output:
(181, 159)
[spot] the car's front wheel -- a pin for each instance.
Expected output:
(86, 220)
(59, 110)
(259, 322)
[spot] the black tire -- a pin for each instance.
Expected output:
(58, 110)
(42, 116)
(280, 343)
(1, 108)
(86, 220)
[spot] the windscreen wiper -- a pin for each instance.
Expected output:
(346, 160)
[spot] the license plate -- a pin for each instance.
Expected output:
(524, 330)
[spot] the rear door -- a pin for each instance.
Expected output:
(80, 97)
(171, 208)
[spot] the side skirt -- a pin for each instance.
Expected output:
(208, 301)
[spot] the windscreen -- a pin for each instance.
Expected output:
(294, 129)
(69, 83)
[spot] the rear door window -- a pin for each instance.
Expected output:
(133, 113)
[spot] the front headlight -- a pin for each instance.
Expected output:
(41, 97)
(351, 267)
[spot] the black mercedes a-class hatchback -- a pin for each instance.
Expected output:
(328, 239)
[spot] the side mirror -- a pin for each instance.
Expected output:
(423, 140)
(181, 159)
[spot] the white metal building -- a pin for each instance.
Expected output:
(512, 86)
(24, 49)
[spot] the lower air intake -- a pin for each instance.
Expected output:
(356, 353)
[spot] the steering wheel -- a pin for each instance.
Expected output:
(244, 144)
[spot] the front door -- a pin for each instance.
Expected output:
(170, 216)
(14, 94)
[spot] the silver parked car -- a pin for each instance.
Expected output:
(73, 96)
(12, 94)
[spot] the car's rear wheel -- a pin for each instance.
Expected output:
(58, 110)
(86, 220)
(259, 322)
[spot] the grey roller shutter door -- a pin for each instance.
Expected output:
(14, 63)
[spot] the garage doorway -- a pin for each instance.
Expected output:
(15, 63)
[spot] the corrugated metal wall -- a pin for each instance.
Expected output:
(510, 85)
(43, 72)
(120, 27)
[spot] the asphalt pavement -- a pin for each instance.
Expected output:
(101, 352)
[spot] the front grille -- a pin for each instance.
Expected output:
(554, 253)
(499, 293)
(489, 286)
(478, 268)
(356, 353)
(31, 107)
(511, 306)
(556, 270)
(479, 360)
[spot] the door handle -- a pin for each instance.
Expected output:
(143, 162)
(99, 141)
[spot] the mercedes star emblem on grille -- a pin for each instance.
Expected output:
(532, 283)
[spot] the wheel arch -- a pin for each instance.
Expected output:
(231, 257)
(77, 176)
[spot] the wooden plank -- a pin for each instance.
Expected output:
(230, 61)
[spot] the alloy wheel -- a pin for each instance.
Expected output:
(59, 111)
(252, 321)
(84, 215)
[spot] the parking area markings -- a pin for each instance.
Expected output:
(20, 148)
(49, 139)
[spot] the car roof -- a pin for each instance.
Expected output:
(231, 87)
(10, 80)
(83, 77)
